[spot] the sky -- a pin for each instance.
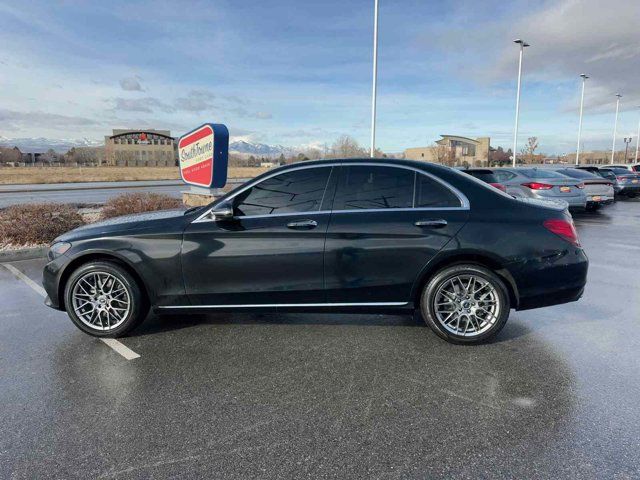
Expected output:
(298, 72)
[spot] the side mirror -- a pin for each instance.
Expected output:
(222, 212)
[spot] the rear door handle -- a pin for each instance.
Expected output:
(302, 225)
(432, 222)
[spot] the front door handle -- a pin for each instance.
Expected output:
(302, 225)
(432, 222)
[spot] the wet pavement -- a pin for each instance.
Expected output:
(332, 396)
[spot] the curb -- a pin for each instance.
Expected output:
(23, 254)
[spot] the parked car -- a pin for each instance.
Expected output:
(487, 176)
(599, 190)
(542, 183)
(329, 236)
(627, 183)
(632, 167)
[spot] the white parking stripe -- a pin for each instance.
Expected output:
(122, 349)
(115, 345)
(25, 279)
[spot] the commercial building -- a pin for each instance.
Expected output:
(453, 150)
(140, 148)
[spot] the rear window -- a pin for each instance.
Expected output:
(539, 173)
(484, 175)
(620, 171)
(575, 173)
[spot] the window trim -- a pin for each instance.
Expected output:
(464, 201)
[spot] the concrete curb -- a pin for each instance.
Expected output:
(23, 254)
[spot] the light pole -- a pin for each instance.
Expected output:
(584, 79)
(627, 141)
(522, 44)
(615, 126)
(375, 79)
(637, 141)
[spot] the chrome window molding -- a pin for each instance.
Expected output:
(464, 201)
(290, 305)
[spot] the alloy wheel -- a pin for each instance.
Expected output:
(467, 305)
(101, 300)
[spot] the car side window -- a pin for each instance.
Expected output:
(374, 187)
(297, 191)
(432, 194)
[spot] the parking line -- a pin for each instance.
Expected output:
(114, 344)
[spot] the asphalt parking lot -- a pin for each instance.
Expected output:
(331, 396)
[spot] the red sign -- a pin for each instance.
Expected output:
(196, 156)
(203, 155)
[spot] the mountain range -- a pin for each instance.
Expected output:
(41, 144)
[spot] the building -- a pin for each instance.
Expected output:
(10, 155)
(453, 150)
(140, 148)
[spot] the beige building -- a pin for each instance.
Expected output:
(140, 148)
(453, 150)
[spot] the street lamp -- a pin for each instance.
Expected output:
(375, 78)
(584, 79)
(627, 141)
(522, 44)
(637, 140)
(615, 126)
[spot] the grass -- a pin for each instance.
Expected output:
(22, 175)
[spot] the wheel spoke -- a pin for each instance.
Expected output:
(101, 300)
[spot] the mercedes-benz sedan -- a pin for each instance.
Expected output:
(329, 236)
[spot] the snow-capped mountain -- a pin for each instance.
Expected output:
(259, 149)
(42, 144)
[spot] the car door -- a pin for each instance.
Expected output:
(387, 223)
(270, 252)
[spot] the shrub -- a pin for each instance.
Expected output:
(138, 203)
(37, 223)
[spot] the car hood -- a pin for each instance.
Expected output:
(138, 221)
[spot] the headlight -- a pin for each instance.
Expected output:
(58, 249)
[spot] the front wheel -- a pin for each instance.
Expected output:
(104, 300)
(465, 304)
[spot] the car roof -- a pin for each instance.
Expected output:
(425, 166)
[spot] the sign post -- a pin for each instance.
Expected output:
(203, 156)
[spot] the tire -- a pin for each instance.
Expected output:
(592, 208)
(465, 318)
(120, 307)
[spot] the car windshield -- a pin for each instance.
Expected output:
(540, 173)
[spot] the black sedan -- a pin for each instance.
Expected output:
(332, 236)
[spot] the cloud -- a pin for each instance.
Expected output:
(195, 101)
(146, 105)
(11, 119)
(131, 84)
(263, 115)
(567, 38)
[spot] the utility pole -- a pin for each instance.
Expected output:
(522, 44)
(627, 141)
(584, 79)
(615, 126)
(375, 78)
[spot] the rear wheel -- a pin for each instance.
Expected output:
(465, 304)
(104, 300)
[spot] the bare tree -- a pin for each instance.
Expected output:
(347, 147)
(443, 154)
(529, 150)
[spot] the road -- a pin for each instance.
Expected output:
(88, 192)
(331, 396)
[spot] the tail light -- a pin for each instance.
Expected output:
(564, 229)
(538, 186)
(499, 186)
(580, 185)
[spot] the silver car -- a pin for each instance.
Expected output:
(542, 183)
(599, 191)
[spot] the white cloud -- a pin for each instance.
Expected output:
(131, 84)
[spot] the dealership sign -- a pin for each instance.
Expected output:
(203, 155)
